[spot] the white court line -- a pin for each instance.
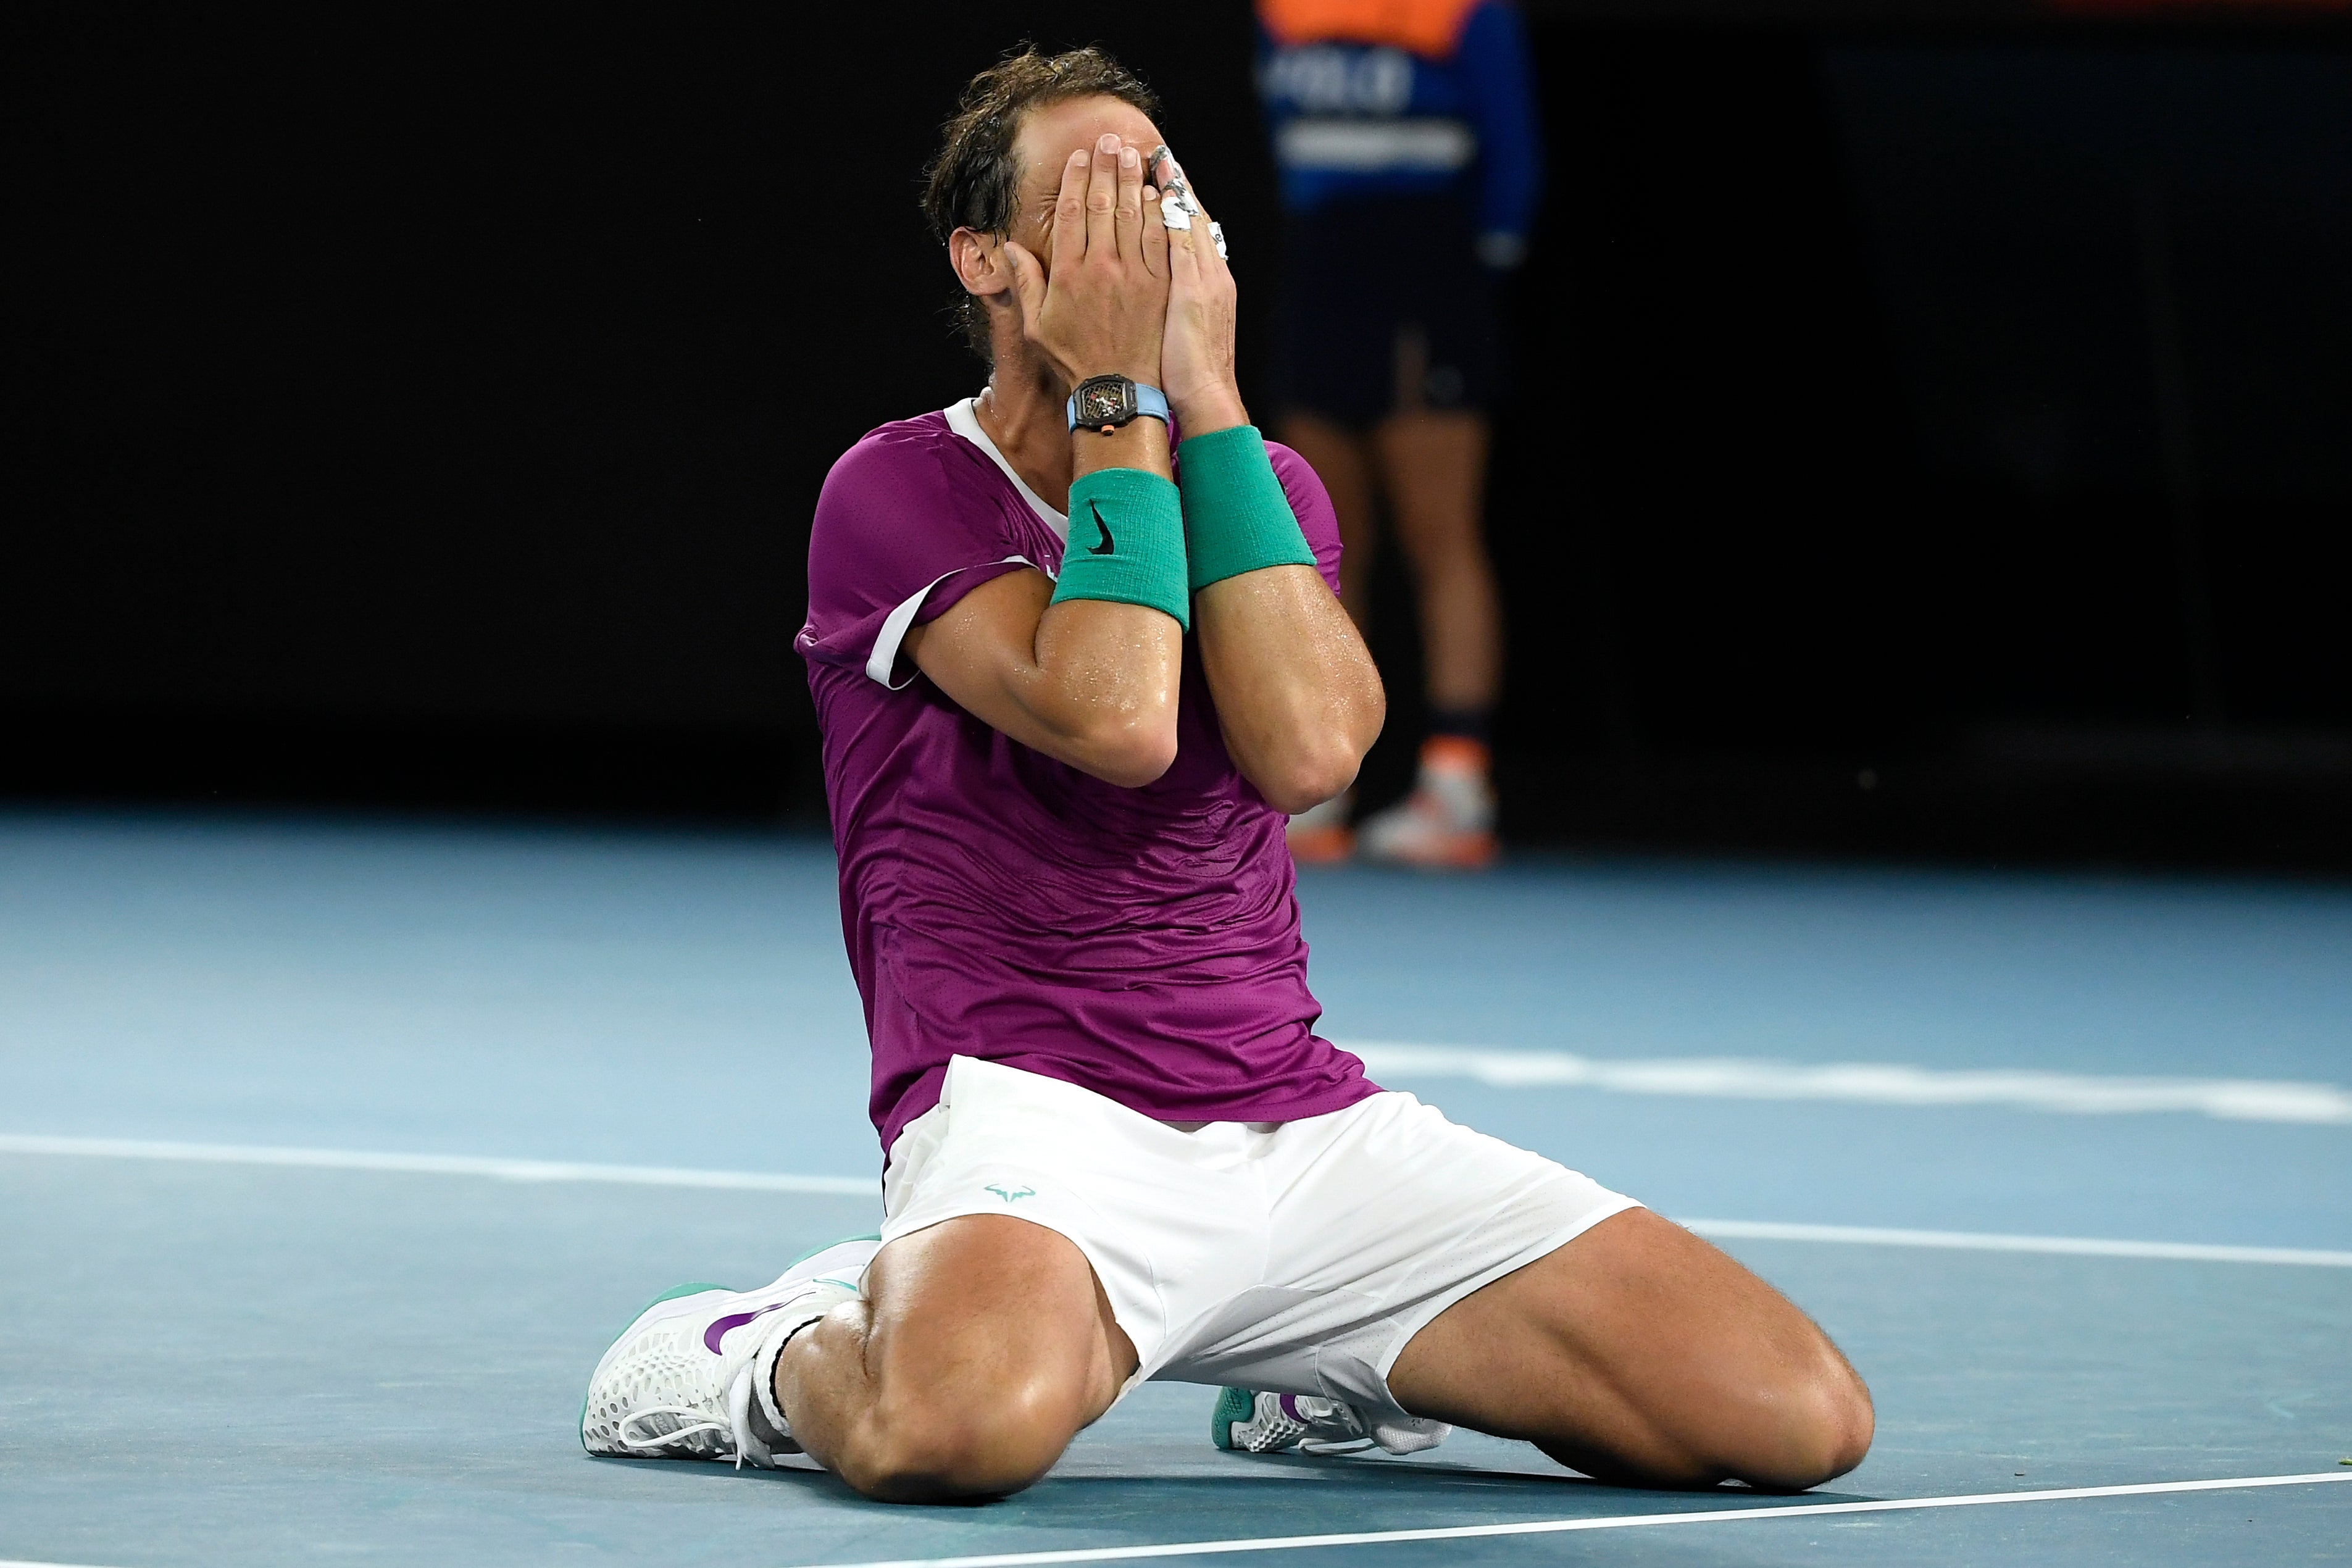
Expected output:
(1533, 1527)
(1562, 1526)
(1868, 1083)
(439, 1165)
(858, 1187)
(1981, 1241)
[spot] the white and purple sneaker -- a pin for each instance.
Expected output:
(680, 1382)
(1252, 1423)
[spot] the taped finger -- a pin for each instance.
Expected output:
(1178, 207)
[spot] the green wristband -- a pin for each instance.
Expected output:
(1126, 544)
(1237, 518)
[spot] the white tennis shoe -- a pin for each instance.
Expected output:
(680, 1381)
(1254, 1422)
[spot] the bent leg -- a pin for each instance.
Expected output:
(978, 1349)
(1639, 1353)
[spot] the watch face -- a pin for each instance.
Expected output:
(1102, 402)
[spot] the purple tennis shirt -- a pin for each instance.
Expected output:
(1143, 944)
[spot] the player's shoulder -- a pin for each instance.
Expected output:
(910, 500)
(889, 461)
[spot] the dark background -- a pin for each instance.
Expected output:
(1935, 434)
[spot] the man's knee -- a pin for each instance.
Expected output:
(1785, 1419)
(914, 1447)
(1813, 1427)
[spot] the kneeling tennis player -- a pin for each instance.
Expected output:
(1077, 654)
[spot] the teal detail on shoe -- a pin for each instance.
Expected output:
(672, 1294)
(845, 1241)
(1233, 1404)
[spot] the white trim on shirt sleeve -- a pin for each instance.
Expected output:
(896, 624)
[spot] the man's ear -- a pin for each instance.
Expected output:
(980, 262)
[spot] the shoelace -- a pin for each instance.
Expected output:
(738, 1425)
(697, 1422)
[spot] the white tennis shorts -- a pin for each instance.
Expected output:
(1293, 1256)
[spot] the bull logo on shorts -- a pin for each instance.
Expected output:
(1015, 1194)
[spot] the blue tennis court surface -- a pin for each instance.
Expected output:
(332, 1154)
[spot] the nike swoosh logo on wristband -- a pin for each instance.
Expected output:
(1107, 546)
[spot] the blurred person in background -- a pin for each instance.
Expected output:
(1406, 136)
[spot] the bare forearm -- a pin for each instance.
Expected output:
(1104, 687)
(1294, 687)
(1088, 682)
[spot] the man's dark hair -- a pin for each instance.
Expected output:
(975, 183)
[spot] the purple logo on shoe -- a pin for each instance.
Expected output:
(720, 1329)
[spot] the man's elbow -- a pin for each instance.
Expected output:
(1305, 776)
(1131, 755)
